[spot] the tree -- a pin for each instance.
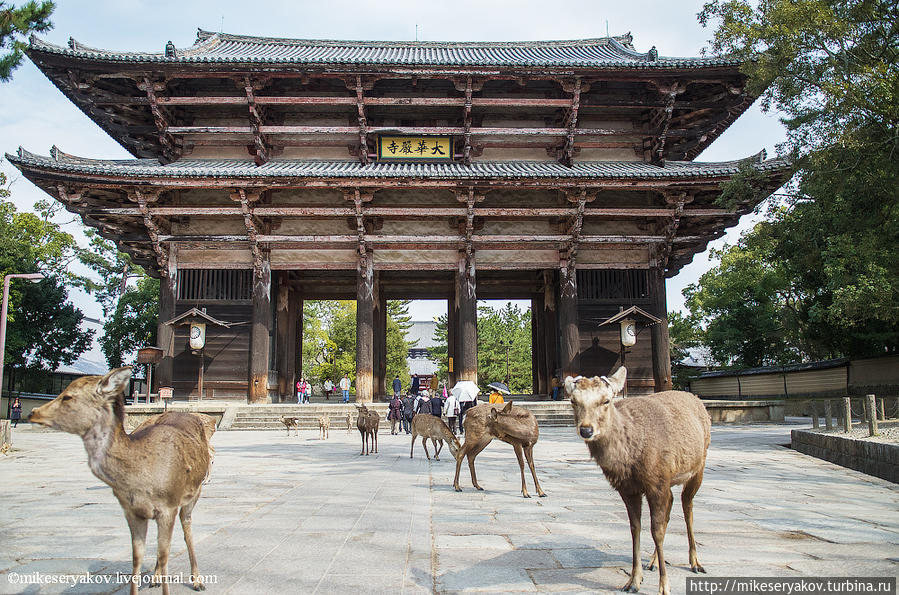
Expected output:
(15, 25)
(832, 67)
(43, 328)
(398, 324)
(133, 324)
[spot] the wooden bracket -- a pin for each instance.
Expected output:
(252, 224)
(567, 153)
(363, 122)
(257, 120)
(143, 199)
(171, 149)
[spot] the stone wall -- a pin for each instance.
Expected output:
(880, 459)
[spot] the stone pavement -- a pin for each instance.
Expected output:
(302, 515)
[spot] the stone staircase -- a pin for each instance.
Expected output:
(268, 417)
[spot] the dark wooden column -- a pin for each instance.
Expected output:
(570, 342)
(538, 347)
(283, 352)
(165, 334)
(294, 341)
(467, 320)
(451, 350)
(364, 328)
(260, 332)
(661, 350)
(550, 326)
(379, 338)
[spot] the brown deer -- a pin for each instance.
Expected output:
(155, 473)
(291, 422)
(514, 425)
(645, 445)
(368, 421)
(431, 426)
(324, 425)
(349, 422)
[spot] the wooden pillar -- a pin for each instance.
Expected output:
(550, 327)
(379, 338)
(282, 337)
(365, 288)
(260, 333)
(467, 320)
(570, 340)
(451, 316)
(165, 334)
(661, 350)
(294, 343)
(538, 347)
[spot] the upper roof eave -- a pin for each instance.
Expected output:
(227, 49)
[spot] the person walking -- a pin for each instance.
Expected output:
(451, 410)
(345, 387)
(397, 386)
(329, 387)
(556, 385)
(302, 391)
(416, 383)
(436, 405)
(424, 403)
(15, 413)
(395, 414)
(435, 384)
(495, 398)
(408, 413)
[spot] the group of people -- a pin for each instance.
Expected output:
(304, 389)
(436, 401)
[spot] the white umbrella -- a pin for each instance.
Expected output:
(465, 391)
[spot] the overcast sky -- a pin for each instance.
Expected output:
(36, 115)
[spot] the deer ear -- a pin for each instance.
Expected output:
(114, 383)
(616, 380)
(508, 407)
(570, 383)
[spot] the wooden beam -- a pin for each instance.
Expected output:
(364, 328)
(427, 130)
(568, 149)
(257, 121)
(260, 333)
(670, 93)
(466, 119)
(245, 198)
(143, 199)
(171, 149)
(363, 122)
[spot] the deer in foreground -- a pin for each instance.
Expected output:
(512, 424)
(291, 422)
(645, 445)
(324, 425)
(368, 421)
(431, 426)
(155, 472)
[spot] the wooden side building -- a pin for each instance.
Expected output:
(561, 172)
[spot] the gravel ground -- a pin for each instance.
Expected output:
(888, 431)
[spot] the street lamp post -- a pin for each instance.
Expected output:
(34, 278)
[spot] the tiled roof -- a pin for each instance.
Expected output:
(293, 168)
(604, 52)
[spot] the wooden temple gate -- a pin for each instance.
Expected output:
(273, 171)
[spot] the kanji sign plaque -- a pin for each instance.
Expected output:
(415, 148)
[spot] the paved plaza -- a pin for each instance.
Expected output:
(286, 514)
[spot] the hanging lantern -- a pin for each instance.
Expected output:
(628, 332)
(197, 335)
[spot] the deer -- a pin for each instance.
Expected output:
(324, 425)
(644, 446)
(349, 422)
(368, 421)
(512, 424)
(431, 426)
(155, 472)
(291, 422)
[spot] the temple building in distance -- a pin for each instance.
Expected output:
(271, 171)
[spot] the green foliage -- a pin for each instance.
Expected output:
(133, 324)
(43, 328)
(398, 324)
(15, 25)
(497, 329)
(46, 329)
(114, 268)
(820, 279)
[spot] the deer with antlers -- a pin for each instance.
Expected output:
(512, 424)
(156, 472)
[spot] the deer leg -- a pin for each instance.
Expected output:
(655, 554)
(459, 456)
(412, 448)
(165, 524)
(471, 457)
(374, 437)
(529, 455)
(659, 508)
(634, 505)
(186, 521)
(520, 456)
(138, 527)
(686, 498)
(424, 444)
(437, 448)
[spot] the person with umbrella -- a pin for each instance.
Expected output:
(466, 392)
(499, 389)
